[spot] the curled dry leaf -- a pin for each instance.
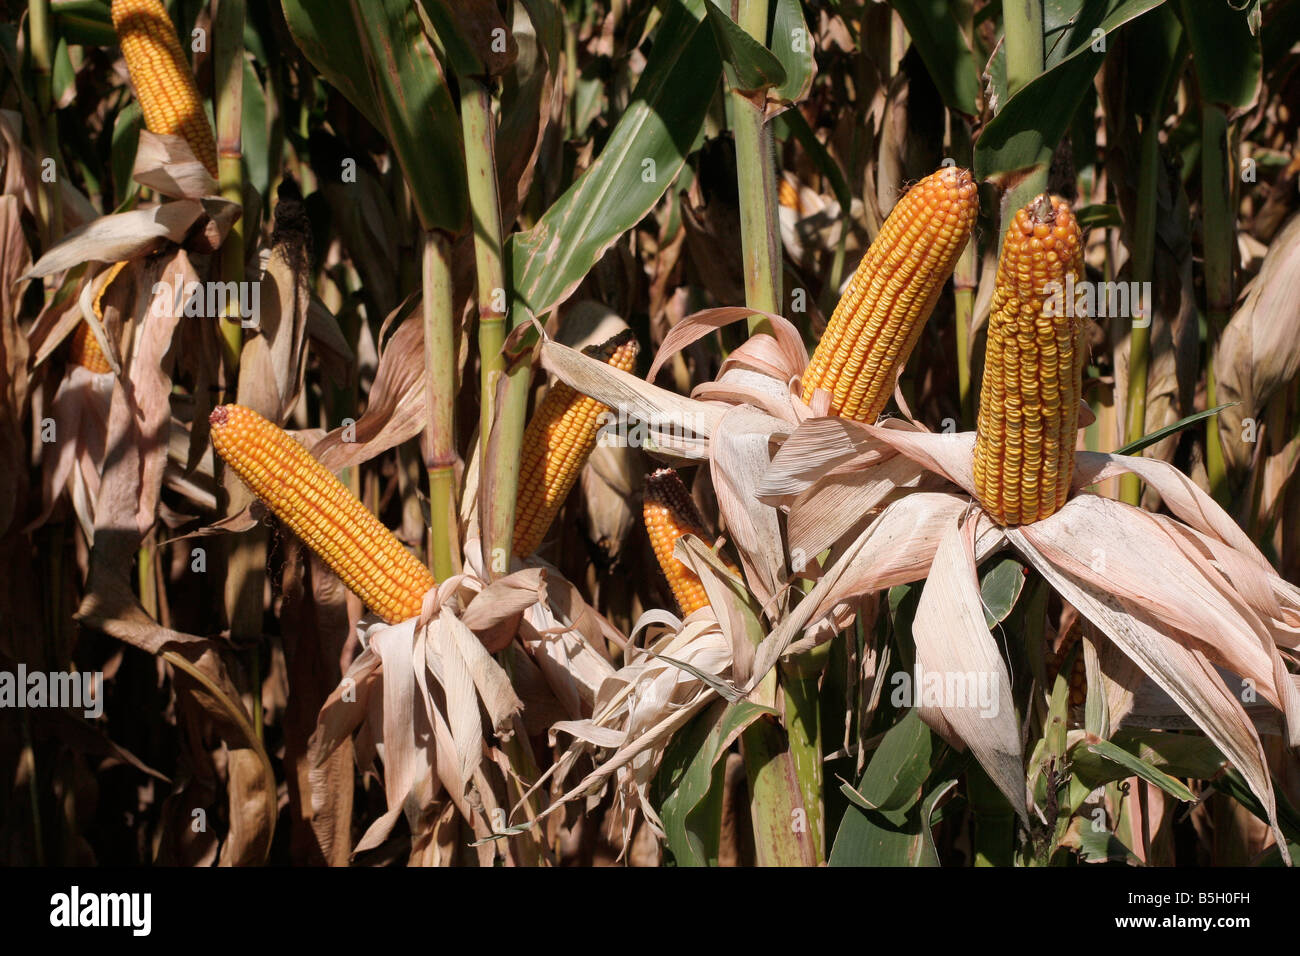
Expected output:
(1260, 348)
(395, 409)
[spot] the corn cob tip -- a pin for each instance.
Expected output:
(1029, 398)
(664, 486)
(606, 350)
(894, 289)
(670, 513)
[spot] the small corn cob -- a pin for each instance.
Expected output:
(85, 351)
(1029, 400)
(163, 81)
(320, 509)
(880, 316)
(670, 513)
(557, 442)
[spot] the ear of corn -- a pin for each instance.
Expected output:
(880, 316)
(1029, 399)
(557, 442)
(320, 510)
(670, 513)
(86, 352)
(164, 83)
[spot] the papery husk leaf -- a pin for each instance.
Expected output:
(676, 424)
(792, 353)
(395, 404)
(897, 548)
(493, 615)
(408, 747)
(738, 458)
(274, 360)
(125, 235)
(447, 664)
(1147, 565)
(167, 165)
(1183, 673)
(952, 638)
(1259, 349)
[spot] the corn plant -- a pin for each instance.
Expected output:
(585, 431)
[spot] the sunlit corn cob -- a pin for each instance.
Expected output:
(880, 316)
(85, 351)
(318, 508)
(1029, 400)
(163, 81)
(557, 442)
(670, 513)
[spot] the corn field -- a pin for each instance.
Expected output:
(682, 433)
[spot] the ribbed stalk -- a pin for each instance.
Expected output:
(1217, 173)
(760, 228)
(1143, 251)
(485, 209)
(246, 558)
(49, 196)
(502, 469)
(228, 47)
(439, 399)
(779, 784)
(775, 797)
(1022, 22)
(801, 684)
(964, 278)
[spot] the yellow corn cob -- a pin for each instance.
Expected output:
(670, 513)
(1029, 400)
(557, 442)
(163, 81)
(85, 351)
(318, 508)
(880, 316)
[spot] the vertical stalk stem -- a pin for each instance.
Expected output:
(1144, 244)
(228, 55)
(1023, 26)
(440, 395)
(485, 209)
(246, 559)
(1022, 21)
(760, 229)
(1217, 171)
(49, 198)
